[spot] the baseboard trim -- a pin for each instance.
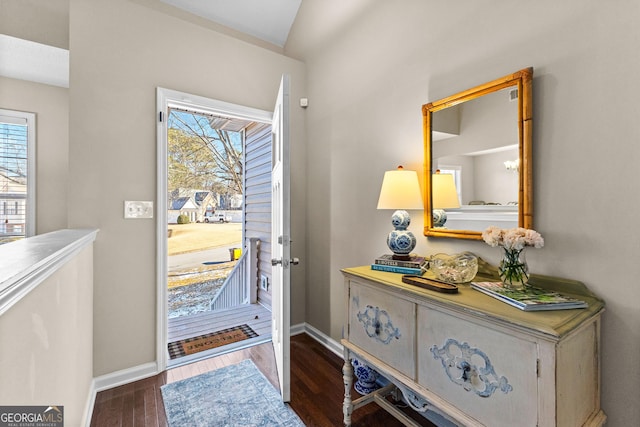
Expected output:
(125, 376)
(88, 407)
(324, 339)
(298, 329)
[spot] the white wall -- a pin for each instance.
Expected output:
(366, 87)
(51, 106)
(120, 52)
(46, 342)
(492, 181)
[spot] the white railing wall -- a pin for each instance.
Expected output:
(46, 322)
(241, 286)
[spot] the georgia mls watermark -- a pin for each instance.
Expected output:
(31, 416)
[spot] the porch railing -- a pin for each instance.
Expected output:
(241, 287)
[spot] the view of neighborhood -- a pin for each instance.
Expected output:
(204, 209)
(13, 179)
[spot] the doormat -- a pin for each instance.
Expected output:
(211, 340)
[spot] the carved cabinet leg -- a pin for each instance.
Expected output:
(347, 376)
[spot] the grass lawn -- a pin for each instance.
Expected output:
(200, 236)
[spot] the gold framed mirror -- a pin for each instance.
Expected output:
(478, 165)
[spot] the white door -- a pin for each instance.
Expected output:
(280, 238)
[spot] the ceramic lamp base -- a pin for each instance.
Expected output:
(439, 217)
(401, 241)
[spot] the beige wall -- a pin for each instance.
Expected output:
(39, 21)
(47, 342)
(120, 52)
(366, 82)
(51, 106)
(365, 91)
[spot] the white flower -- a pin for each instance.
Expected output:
(534, 239)
(493, 236)
(512, 238)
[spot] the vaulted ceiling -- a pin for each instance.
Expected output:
(268, 20)
(31, 32)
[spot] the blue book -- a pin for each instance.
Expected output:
(401, 270)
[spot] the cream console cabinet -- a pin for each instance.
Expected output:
(470, 358)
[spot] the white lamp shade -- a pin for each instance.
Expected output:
(443, 191)
(400, 190)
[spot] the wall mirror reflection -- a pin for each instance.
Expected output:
(478, 158)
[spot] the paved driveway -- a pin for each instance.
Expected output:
(195, 259)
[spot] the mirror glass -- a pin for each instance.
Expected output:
(478, 159)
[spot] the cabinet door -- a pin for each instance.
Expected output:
(488, 374)
(384, 326)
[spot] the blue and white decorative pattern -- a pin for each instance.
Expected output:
(439, 217)
(401, 241)
(458, 359)
(366, 376)
(401, 220)
(378, 325)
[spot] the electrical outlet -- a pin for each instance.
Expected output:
(264, 282)
(134, 209)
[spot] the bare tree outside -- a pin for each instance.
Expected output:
(202, 155)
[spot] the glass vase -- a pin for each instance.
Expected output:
(513, 269)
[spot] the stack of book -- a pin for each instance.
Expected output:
(415, 265)
(529, 299)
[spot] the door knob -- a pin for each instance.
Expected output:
(295, 261)
(276, 261)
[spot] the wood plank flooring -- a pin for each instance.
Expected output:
(316, 389)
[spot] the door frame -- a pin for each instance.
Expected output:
(164, 99)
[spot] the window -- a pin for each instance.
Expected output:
(17, 175)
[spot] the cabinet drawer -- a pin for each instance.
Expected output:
(488, 374)
(383, 325)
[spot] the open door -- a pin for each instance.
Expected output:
(281, 238)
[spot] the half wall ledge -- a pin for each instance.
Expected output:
(25, 263)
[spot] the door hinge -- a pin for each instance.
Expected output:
(160, 116)
(538, 368)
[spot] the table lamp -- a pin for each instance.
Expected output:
(443, 196)
(400, 190)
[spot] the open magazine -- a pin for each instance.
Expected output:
(529, 299)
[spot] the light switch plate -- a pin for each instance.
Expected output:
(138, 209)
(264, 282)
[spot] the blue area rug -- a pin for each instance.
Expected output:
(237, 395)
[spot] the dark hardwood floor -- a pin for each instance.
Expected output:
(316, 389)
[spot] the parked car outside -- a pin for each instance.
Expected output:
(217, 217)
